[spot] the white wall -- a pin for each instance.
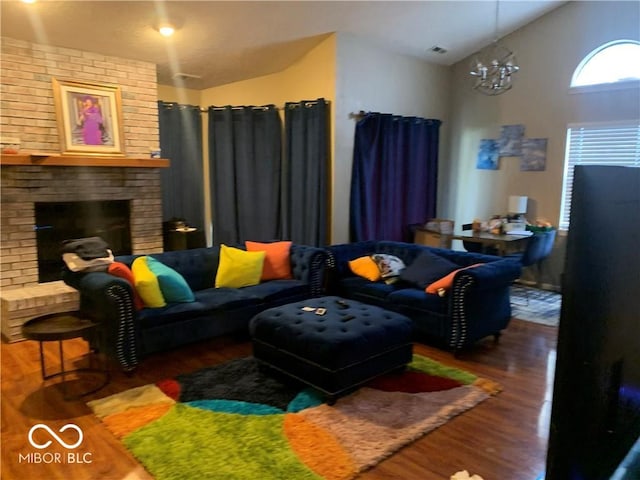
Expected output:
(371, 79)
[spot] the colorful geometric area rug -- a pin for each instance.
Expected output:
(238, 421)
(536, 305)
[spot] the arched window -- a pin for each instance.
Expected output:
(613, 63)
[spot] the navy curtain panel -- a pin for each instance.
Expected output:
(394, 176)
(245, 147)
(305, 195)
(182, 183)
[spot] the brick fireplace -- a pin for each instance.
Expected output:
(22, 186)
(28, 113)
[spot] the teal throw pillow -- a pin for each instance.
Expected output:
(173, 286)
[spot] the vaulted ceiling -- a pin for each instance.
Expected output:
(223, 42)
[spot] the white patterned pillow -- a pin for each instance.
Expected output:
(390, 266)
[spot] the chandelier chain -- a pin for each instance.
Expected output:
(497, 31)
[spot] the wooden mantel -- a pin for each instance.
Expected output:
(56, 160)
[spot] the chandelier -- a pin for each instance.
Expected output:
(493, 66)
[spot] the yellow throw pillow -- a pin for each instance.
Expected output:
(146, 284)
(365, 267)
(238, 268)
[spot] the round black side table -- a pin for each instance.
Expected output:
(59, 327)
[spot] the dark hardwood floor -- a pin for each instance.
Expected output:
(503, 438)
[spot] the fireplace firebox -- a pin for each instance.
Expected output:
(59, 221)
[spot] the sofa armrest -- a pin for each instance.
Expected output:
(490, 275)
(309, 265)
(479, 301)
(108, 300)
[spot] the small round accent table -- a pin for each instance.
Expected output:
(59, 327)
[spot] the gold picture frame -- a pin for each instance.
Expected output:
(89, 117)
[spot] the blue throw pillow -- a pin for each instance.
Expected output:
(173, 286)
(426, 269)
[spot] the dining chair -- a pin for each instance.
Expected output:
(539, 246)
(476, 247)
(470, 246)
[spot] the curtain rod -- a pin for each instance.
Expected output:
(306, 103)
(205, 110)
(359, 115)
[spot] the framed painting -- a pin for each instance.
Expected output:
(89, 117)
(510, 141)
(488, 155)
(534, 155)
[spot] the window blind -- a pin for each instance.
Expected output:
(601, 144)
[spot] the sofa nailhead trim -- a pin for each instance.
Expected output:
(459, 328)
(125, 343)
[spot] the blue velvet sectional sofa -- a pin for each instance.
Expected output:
(128, 335)
(476, 306)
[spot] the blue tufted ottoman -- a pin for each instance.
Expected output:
(350, 344)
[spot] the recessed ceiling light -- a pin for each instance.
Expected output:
(166, 30)
(28, 1)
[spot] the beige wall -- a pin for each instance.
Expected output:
(185, 96)
(548, 51)
(311, 77)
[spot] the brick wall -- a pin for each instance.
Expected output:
(22, 186)
(27, 111)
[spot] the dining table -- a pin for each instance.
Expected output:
(504, 243)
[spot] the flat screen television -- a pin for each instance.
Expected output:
(595, 417)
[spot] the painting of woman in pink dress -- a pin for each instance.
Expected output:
(91, 121)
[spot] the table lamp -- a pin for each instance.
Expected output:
(517, 206)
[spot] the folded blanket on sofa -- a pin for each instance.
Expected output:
(87, 248)
(88, 254)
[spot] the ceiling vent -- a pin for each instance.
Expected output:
(438, 49)
(186, 76)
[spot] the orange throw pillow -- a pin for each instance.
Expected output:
(119, 269)
(366, 267)
(441, 286)
(277, 262)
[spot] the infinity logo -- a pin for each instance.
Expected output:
(54, 435)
